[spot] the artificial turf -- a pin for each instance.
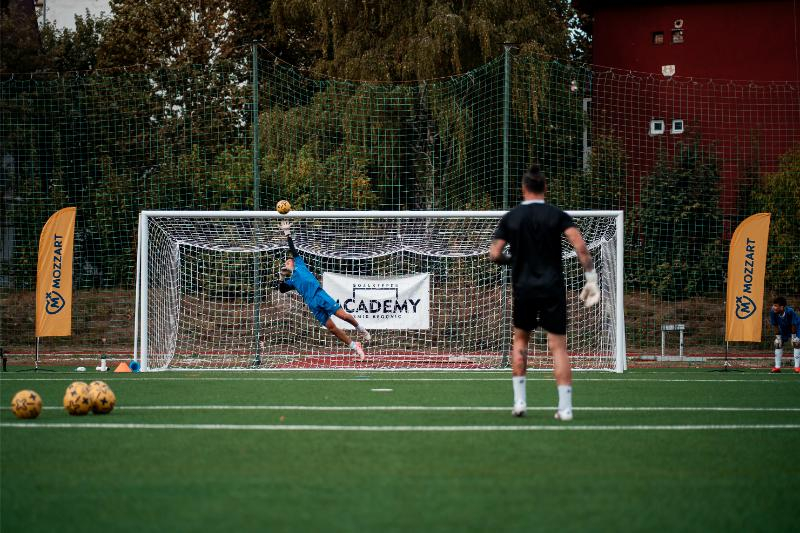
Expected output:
(439, 451)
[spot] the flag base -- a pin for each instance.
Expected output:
(36, 367)
(726, 365)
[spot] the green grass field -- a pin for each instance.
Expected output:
(648, 450)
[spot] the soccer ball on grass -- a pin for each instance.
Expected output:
(26, 404)
(283, 207)
(101, 397)
(76, 399)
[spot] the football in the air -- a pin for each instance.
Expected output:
(26, 404)
(283, 207)
(102, 397)
(76, 399)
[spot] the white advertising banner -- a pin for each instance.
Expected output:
(401, 302)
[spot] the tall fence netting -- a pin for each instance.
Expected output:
(686, 159)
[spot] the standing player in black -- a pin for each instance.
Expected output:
(533, 232)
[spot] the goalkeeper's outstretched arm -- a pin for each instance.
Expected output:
(286, 227)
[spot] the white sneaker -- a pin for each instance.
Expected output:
(519, 409)
(367, 336)
(564, 416)
(359, 351)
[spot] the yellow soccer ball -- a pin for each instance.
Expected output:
(283, 207)
(102, 398)
(76, 399)
(26, 404)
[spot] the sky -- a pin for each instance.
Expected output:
(63, 11)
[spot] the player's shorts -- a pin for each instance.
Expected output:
(323, 306)
(549, 312)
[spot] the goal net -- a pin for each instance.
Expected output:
(421, 282)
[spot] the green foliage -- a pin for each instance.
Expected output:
(339, 145)
(138, 34)
(779, 194)
(548, 126)
(112, 212)
(20, 49)
(608, 171)
(412, 39)
(74, 50)
(677, 250)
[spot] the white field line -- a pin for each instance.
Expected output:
(276, 427)
(432, 408)
(187, 378)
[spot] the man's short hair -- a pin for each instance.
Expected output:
(533, 180)
(780, 300)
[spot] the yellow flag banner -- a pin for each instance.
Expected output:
(747, 264)
(54, 275)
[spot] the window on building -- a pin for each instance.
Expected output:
(657, 126)
(677, 126)
(658, 37)
(677, 36)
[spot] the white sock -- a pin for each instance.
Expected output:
(519, 389)
(797, 357)
(565, 397)
(778, 355)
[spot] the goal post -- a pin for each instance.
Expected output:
(420, 281)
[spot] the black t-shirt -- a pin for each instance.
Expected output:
(534, 232)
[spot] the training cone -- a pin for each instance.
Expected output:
(123, 367)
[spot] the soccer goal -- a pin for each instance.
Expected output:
(421, 283)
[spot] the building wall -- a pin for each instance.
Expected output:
(724, 87)
(737, 40)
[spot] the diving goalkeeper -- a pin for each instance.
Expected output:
(296, 276)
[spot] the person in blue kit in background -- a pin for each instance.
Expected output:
(786, 324)
(295, 275)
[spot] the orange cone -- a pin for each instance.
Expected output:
(123, 367)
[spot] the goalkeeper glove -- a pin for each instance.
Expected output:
(286, 227)
(795, 341)
(505, 255)
(778, 342)
(590, 294)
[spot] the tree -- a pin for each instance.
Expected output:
(187, 31)
(413, 39)
(164, 31)
(20, 42)
(779, 194)
(74, 50)
(677, 250)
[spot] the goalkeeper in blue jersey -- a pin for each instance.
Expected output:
(786, 323)
(296, 276)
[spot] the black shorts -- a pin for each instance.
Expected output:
(550, 312)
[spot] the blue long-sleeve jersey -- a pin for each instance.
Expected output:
(785, 321)
(305, 283)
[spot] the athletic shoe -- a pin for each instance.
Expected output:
(519, 409)
(797, 370)
(359, 351)
(564, 416)
(775, 370)
(367, 336)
